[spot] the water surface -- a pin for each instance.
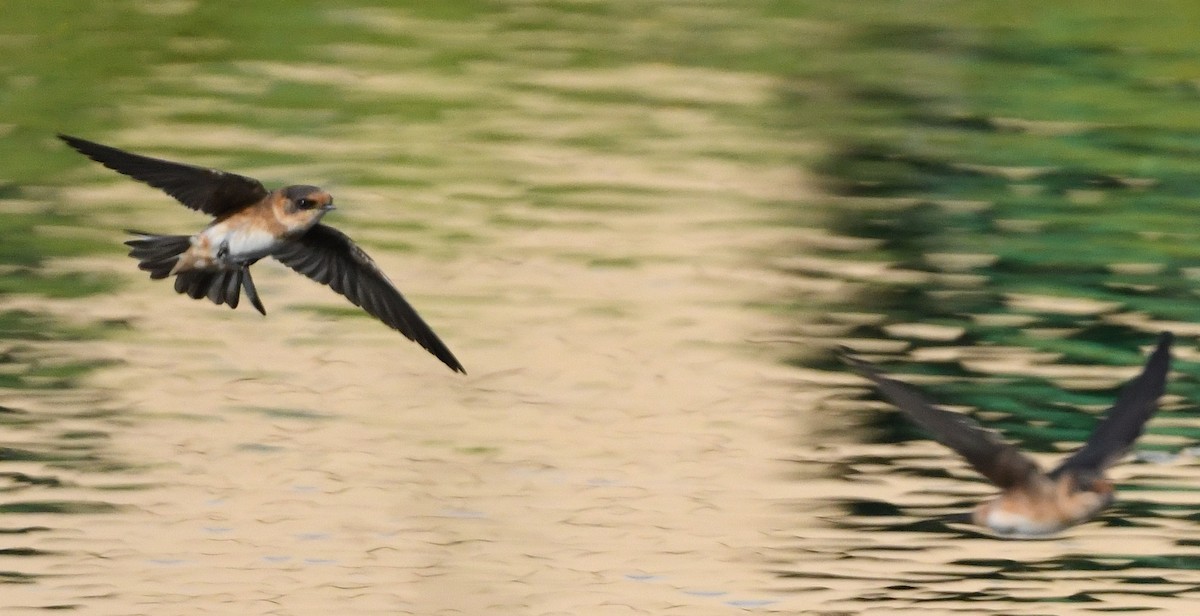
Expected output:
(644, 230)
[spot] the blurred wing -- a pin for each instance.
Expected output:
(207, 190)
(329, 257)
(1128, 416)
(1000, 462)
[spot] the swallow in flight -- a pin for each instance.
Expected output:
(1033, 502)
(250, 223)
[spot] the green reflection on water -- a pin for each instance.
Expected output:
(1026, 174)
(1016, 150)
(63, 507)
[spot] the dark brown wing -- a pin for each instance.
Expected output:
(1124, 422)
(208, 190)
(329, 257)
(1000, 462)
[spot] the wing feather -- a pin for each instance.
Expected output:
(1127, 417)
(329, 257)
(1000, 462)
(210, 191)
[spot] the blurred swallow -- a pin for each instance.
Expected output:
(1032, 502)
(250, 223)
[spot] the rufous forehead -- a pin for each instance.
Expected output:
(321, 197)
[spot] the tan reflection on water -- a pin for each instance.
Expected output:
(615, 422)
(618, 446)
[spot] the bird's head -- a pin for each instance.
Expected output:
(300, 207)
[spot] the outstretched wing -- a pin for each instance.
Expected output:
(1128, 416)
(208, 190)
(1000, 462)
(329, 257)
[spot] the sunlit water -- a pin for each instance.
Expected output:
(595, 207)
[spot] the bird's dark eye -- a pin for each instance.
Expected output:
(305, 204)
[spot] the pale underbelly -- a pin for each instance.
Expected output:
(232, 249)
(1015, 524)
(1046, 516)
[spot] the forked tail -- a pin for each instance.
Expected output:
(158, 254)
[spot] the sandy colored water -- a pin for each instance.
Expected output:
(616, 447)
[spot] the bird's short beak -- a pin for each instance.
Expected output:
(328, 207)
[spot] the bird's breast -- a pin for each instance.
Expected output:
(1022, 522)
(1041, 510)
(237, 244)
